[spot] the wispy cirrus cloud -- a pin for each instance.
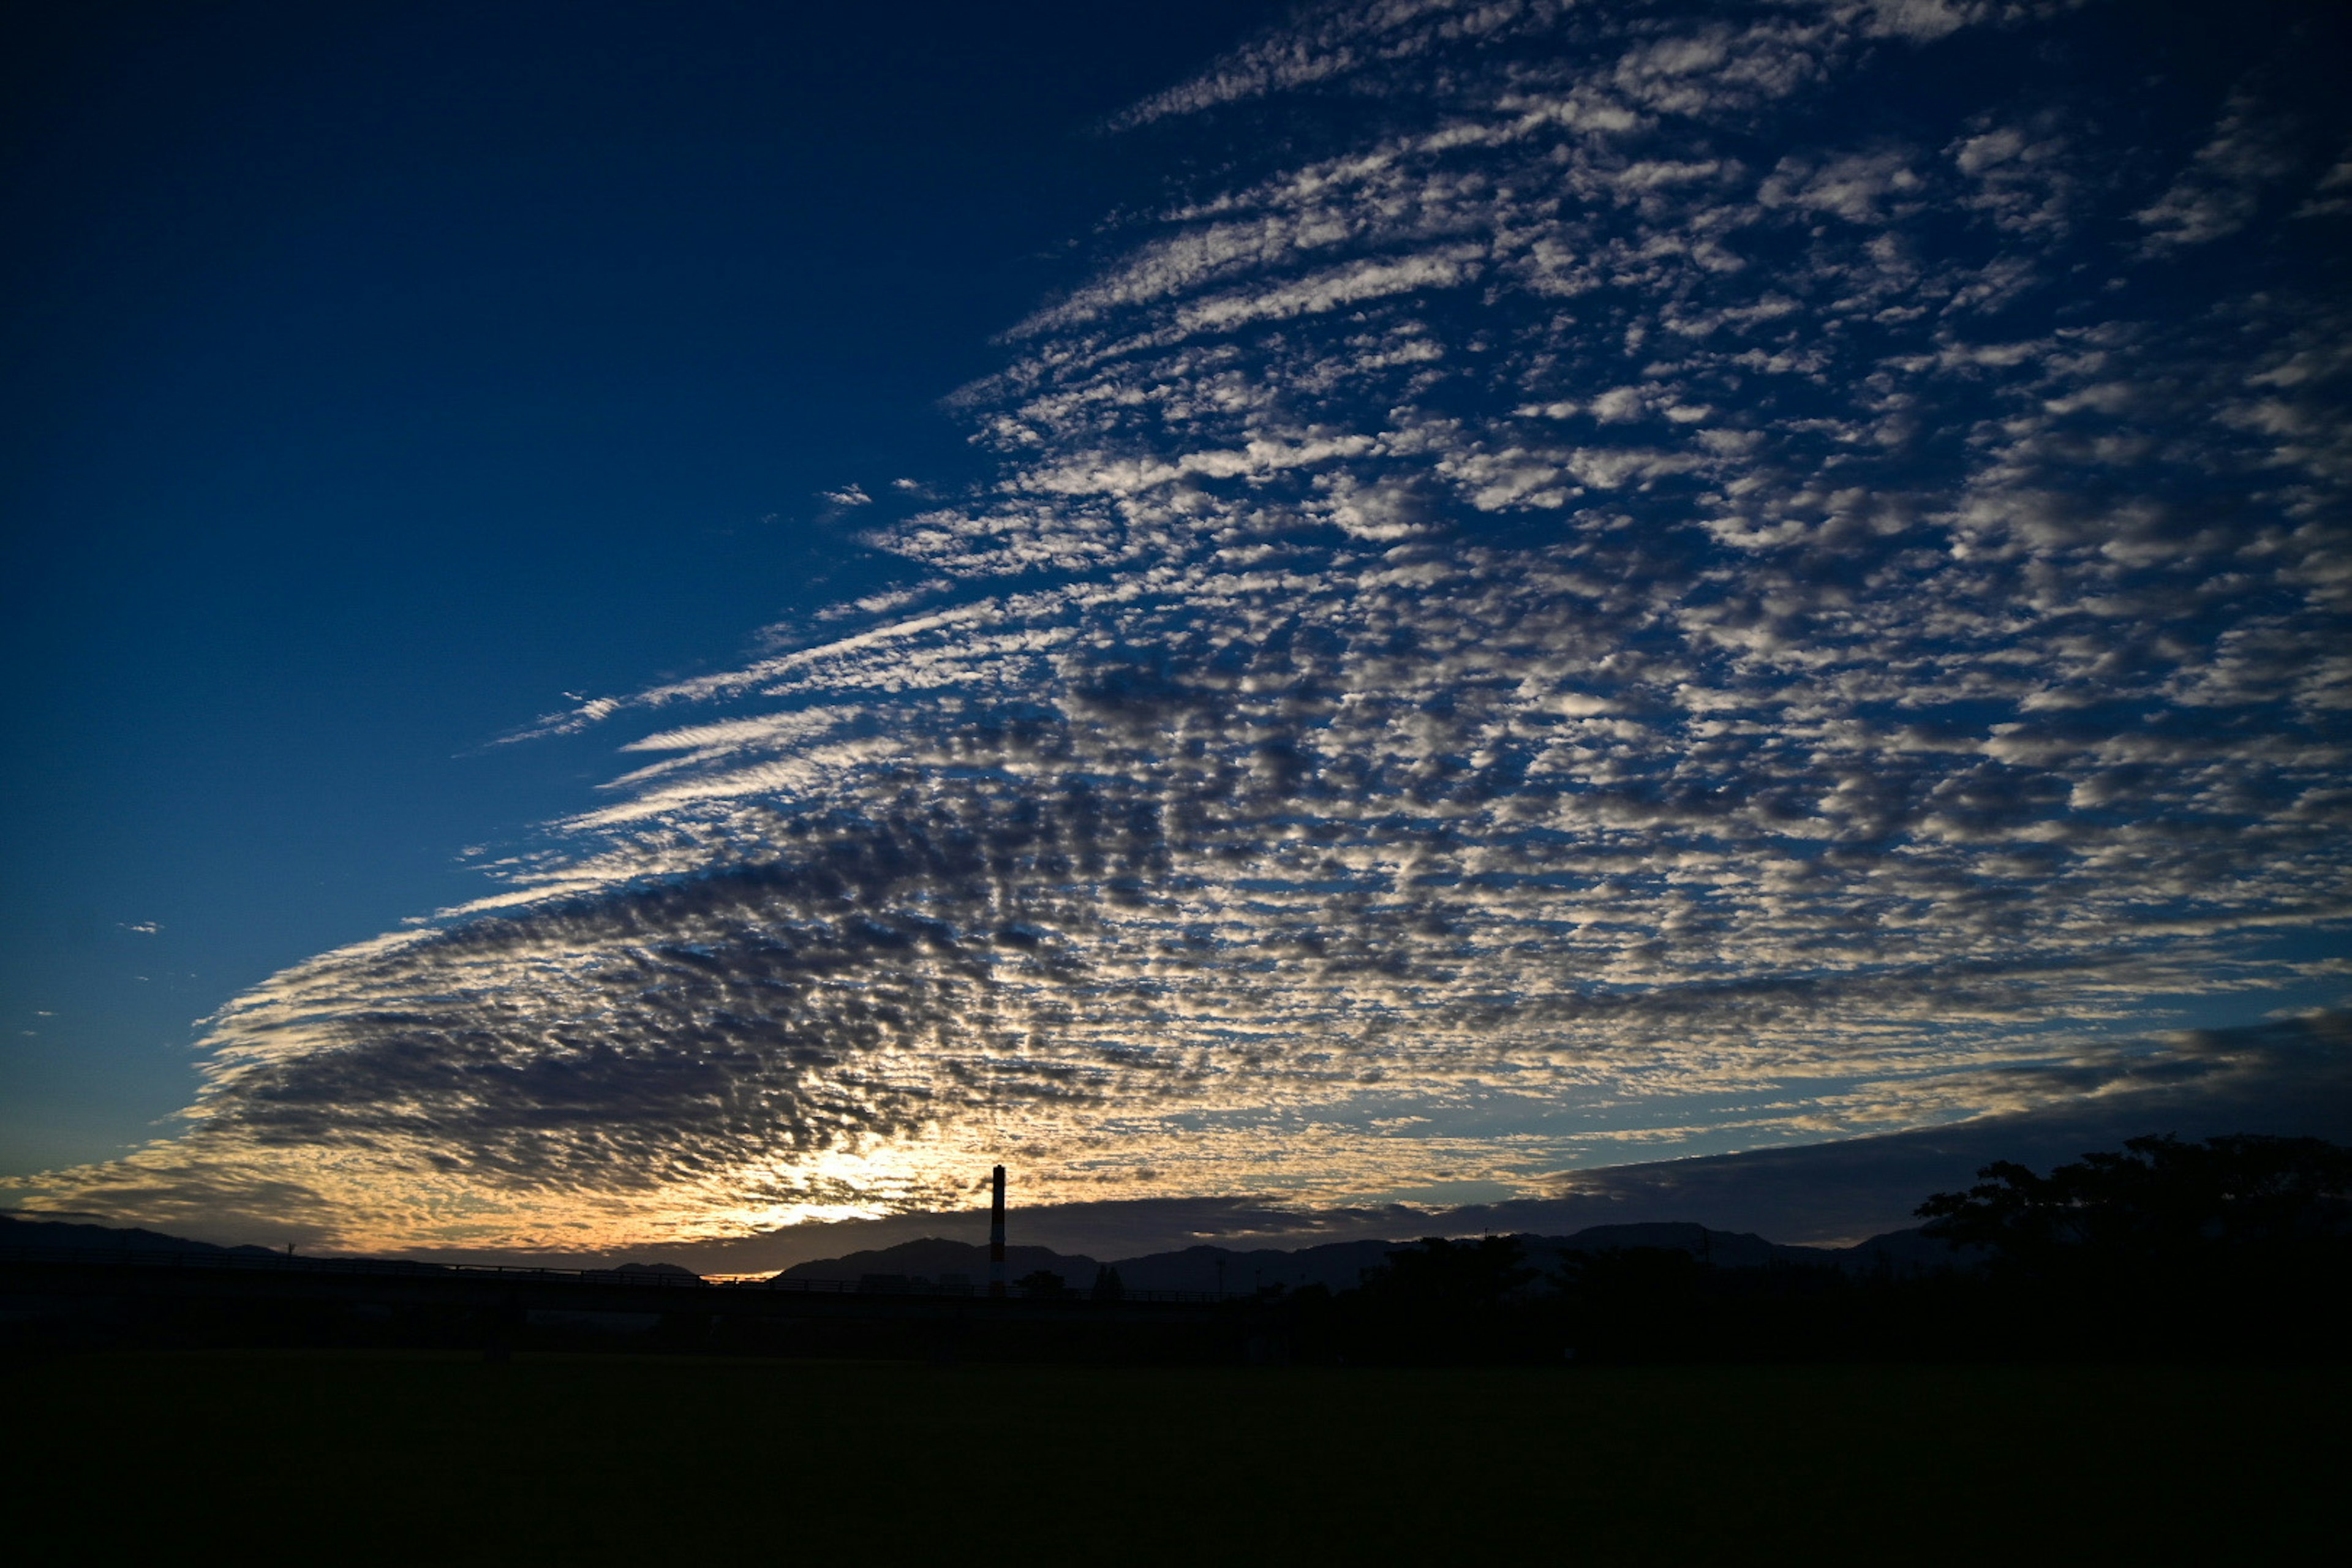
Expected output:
(1634, 600)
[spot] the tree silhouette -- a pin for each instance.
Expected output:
(1441, 1300)
(2159, 1202)
(1456, 1276)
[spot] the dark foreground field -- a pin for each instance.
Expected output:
(350, 1458)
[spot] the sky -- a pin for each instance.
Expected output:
(640, 626)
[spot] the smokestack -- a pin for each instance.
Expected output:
(996, 1237)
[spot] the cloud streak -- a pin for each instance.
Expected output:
(1614, 595)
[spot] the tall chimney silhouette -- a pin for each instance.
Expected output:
(996, 1237)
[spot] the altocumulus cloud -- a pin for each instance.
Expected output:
(1651, 578)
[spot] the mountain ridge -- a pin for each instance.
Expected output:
(1340, 1265)
(1207, 1267)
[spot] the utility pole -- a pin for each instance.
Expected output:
(996, 1237)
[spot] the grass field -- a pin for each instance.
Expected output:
(419, 1458)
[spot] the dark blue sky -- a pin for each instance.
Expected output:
(378, 374)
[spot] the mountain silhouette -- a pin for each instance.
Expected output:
(1341, 1265)
(1335, 1266)
(933, 1256)
(15, 1233)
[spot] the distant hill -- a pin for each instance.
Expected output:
(1912, 1251)
(674, 1270)
(1336, 1266)
(49, 1234)
(931, 1258)
(1341, 1265)
(17, 1234)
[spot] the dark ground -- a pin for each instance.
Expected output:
(408, 1457)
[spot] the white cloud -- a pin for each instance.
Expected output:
(2220, 190)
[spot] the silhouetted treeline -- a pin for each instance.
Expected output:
(2230, 1248)
(2237, 1247)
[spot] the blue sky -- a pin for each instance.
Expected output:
(379, 375)
(680, 624)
